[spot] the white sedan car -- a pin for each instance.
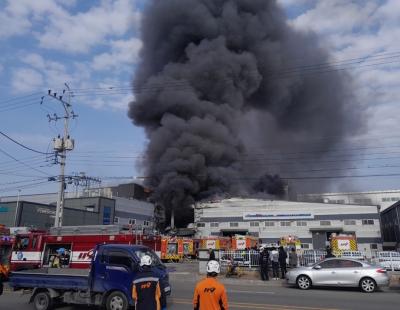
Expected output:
(339, 272)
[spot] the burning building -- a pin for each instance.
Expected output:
(223, 83)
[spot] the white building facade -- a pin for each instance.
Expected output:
(269, 220)
(384, 199)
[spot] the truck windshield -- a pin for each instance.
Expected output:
(141, 252)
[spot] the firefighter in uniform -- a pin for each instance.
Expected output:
(210, 294)
(146, 290)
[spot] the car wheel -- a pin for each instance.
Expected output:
(367, 285)
(43, 301)
(116, 301)
(303, 282)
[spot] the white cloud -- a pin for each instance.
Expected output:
(122, 53)
(337, 16)
(67, 31)
(78, 33)
(26, 80)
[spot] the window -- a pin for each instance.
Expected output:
(325, 223)
(119, 258)
(155, 259)
(333, 263)
(116, 220)
(385, 199)
(233, 224)
(269, 224)
(374, 246)
(363, 201)
(34, 241)
(254, 224)
(395, 199)
(368, 222)
(301, 223)
(344, 263)
(132, 221)
(146, 223)
(305, 246)
(286, 223)
(201, 224)
(214, 225)
(349, 222)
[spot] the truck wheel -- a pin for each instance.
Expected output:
(43, 301)
(116, 301)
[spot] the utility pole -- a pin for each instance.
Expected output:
(61, 146)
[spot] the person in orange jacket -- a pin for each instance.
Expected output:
(209, 293)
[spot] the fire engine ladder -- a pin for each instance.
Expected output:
(87, 230)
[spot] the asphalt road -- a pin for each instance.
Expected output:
(272, 296)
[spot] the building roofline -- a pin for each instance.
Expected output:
(352, 193)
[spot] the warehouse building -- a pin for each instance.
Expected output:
(390, 219)
(129, 203)
(382, 198)
(97, 211)
(269, 220)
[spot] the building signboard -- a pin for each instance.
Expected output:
(277, 216)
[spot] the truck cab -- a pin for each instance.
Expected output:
(107, 283)
(115, 266)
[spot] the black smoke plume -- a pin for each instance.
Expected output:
(222, 85)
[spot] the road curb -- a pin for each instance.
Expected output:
(183, 276)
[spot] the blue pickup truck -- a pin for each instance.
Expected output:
(107, 283)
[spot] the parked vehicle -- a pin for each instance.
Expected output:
(107, 284)
(339, 272)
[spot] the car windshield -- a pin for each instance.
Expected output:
(141, 252)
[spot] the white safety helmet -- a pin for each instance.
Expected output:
(145, 260)
(213, 267)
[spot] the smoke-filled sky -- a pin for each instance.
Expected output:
(94, 46)
(224, 84)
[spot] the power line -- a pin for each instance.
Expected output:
(18, 98)
(18, 107)
(22, 145)
(17, 160)
(24, 181)
(23, 186)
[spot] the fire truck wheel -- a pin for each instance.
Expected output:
(43, 301)
(116, 301)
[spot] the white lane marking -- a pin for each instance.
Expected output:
(251, 292)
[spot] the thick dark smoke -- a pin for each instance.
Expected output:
(222, 85)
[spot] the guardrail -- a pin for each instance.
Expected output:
(250, 259)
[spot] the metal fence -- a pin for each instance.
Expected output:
(250, 259)
(243, 258)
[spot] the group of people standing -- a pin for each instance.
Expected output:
(277, 259)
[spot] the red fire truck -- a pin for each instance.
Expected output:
(6, 242)
(73, 244)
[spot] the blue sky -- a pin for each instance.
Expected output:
(94, 45)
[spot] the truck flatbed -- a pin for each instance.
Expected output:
(57, 278)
